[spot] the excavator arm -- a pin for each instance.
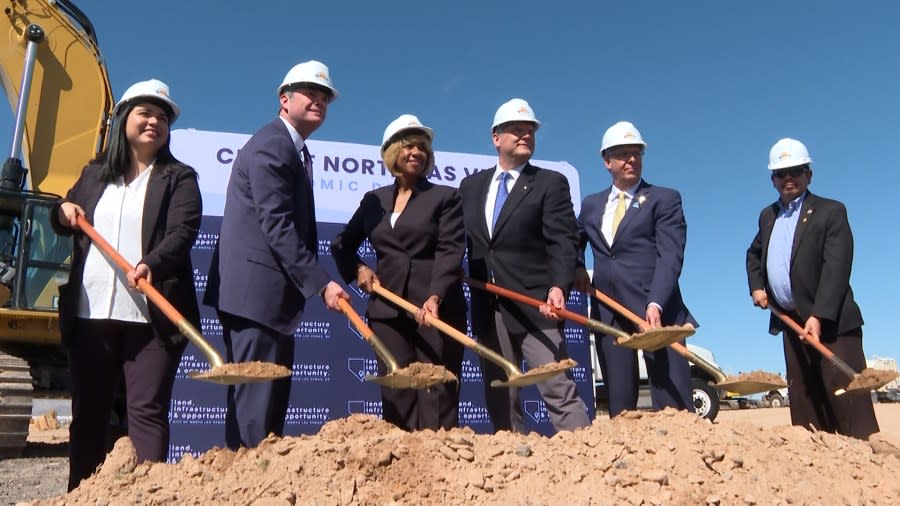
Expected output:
(70, 98)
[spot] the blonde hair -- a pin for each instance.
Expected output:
(390, 153)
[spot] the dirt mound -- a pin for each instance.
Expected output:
(637, 458)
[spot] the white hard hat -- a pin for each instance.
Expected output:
(154, 89)
(313, 72)
(788, 153)
(404, 123)
(622, 133)
(515, 110)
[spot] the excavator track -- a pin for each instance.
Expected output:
(15, 404)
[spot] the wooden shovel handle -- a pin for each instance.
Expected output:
(184, 326)
(149, 290)
(524, 299)
(412, 309)
(815, 342)
(787, 320)
(595, 325)
(619, 308)
(355, 319)
(641, 323)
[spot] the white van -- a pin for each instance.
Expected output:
(705, 395)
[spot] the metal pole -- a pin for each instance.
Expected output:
(35, 35)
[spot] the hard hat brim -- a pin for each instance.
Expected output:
(137, 99)
(536, 123)
(308, 84)
(396, 135)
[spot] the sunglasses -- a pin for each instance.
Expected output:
(793, 172)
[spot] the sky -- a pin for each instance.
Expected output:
(711, 85)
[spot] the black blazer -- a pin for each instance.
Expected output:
(821, 260)
(419, 257)
(533, 248)
(171, 222)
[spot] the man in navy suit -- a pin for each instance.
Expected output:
(637, 234)
(266, 263)
(800, 262)
(520, 233)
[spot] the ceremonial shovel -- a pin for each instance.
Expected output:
(869, 379)
(650, 340)
(394, 377)
(731, 384)
(221, 372)
(515, 376)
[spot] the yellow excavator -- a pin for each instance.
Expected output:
(53, 73)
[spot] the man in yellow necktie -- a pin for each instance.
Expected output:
(637, 233)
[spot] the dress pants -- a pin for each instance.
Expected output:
(669, 375)
(100, 352)
(255, 410)
(566, 409)
(812, 380)
(432, 408)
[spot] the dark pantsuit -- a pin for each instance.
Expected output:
(415, 409)
(812, 380)
(256, 409)
(101, 352)
(668, 372)
(565, 408)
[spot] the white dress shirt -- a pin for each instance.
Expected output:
(118, 217)
(514, 174)
(295, 137)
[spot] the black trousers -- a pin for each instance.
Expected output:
(254, 410)
(100, 352)
(432, 408)
(812, 380)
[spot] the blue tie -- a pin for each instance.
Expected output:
(502, 193)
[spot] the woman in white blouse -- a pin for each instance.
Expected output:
(147, 205)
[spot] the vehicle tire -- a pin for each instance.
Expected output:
(776, 400)
(705, 398)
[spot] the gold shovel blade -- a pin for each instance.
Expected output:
(242, 372)
(536, 375)
(417, 375)
(870, 379)
(403, 381)
(747, 387)
(654, 339)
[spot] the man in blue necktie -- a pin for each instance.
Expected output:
(520, 227)
(800, 262)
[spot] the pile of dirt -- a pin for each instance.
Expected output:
(637, 458)
(871, 379)
(761, 376)
(424, 374)
(243, 372)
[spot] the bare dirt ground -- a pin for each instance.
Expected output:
(749, 456)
